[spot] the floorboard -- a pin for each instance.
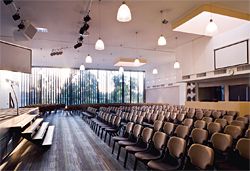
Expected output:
(75, 147)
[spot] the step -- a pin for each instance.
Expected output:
(24, 120)
(41, 132)
(31, 129)
(49, 136)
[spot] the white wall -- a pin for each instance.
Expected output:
(198, 56)
(5, 88)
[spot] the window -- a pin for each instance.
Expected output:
(72, 86)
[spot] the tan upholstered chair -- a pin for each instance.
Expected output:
(207, 119)
(199, 136)
(132, 139)
(243, 146)
(221, 142)
(241, 124)
(173, 156)
(200, 124)
(180, 118)
(125, 136)
(216, 114)
(228, 118)
(181, 131)
(213, 127)
(208, 113)
(243, 119)
(188, 122)
(168, 128)
(198, 115)
(155, 152)
(222, 122)
(199, 156)
(234, 131)
(157, 125)
(141, 145)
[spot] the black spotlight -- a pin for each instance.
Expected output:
(79, 44)
(21, 26)
(80, 38)
(87, 18)
(84, 28)
(16, 16)
(7, 2)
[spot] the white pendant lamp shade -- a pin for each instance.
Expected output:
(121, 69)
(99, 45)
(211, 28)
(123, 14)
(176, 65)
(155, 71)
(162, 41)
(88, 59)
(82, 67)
(137, 62)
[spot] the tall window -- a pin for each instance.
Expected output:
(72, 86)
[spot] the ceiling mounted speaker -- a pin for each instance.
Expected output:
(28, 32)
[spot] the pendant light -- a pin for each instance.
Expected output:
(88, 59)
(162, 40)
(123, 14)
(155, 71)
(211, 27)
(176, 63)
(121, 69)
(136, 62)
(82, 67)
(99, 45)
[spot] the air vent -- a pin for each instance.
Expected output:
(201, 75)
(218, 72)
(185, 77)
(170, 84)
(243, 68)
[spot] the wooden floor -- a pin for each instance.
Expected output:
(75, 147)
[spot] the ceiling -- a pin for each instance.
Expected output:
(64, 19)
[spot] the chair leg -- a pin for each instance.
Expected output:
(135, 165)
(118, 154)
(113, 149)
(105, 136)
(125, 160)
(110, 135)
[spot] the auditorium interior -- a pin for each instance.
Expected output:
(124, 85)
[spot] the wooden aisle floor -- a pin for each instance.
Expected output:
(75, 147)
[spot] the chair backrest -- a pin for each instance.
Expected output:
(234, 131)
(207, 119)
(216, 114)
(129, 127)
(200, 124)
(153, 117)
(147, 134)
(208, 113)
(243, 119)
(221, 141)
(140, 120)
(180, 117)
(157, 125)
(190, 114)
(137, 130)
(213, 127)
(247, 134)
(176, 146)
(188, 122)
(198, 115)
(199, 135)
(173, 115)
(181, 131)
(134, 118)
(243, 146)
(159, 139)
(241, 124)
(161, 117)
(222, 122)
(228, 118)
(232, 113)
(201, 156)
(168, 128)
(117, 121)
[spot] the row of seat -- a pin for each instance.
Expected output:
(134, 139)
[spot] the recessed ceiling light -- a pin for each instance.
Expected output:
(42, 30)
